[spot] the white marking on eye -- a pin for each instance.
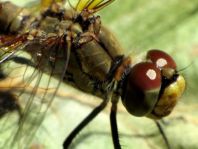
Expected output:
(151, 74)
(161, 62)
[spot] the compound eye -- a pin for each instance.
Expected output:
(142, 88)
(161, 59)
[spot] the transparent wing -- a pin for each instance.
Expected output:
(28, 78)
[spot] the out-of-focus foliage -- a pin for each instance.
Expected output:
(141, 25)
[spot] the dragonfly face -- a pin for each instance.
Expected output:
(153, 87)
(72, 46)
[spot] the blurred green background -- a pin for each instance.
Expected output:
(170, 25)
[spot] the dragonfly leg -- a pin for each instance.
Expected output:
(88, 119)
(91, 27)
(91, 33)
(83, 39)
(114, 128)
(163, 134)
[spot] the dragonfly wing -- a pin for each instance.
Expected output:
(33, 84)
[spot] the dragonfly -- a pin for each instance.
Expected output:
(50, 42)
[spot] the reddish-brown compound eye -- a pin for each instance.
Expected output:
(161, 59)
(142, 89)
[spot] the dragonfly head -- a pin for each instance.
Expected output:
(153, 87)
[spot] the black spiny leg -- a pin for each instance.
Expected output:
(163, 134)
(114, 128)
(89, 118)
